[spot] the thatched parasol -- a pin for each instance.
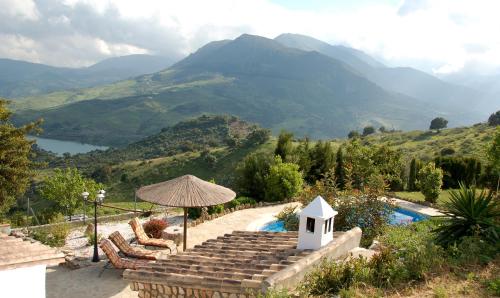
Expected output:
(186, 191)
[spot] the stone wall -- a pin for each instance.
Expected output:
(147, 290)
(288, 278)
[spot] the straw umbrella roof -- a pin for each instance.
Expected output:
(186, 191)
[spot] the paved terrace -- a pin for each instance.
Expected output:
(80, 283)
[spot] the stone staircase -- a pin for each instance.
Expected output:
(229, 264)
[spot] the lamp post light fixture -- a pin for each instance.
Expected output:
(85, 196)
(98, 201)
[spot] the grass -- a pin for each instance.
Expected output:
(444, 196)
(418, 196)
(465, 141)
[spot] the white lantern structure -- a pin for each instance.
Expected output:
(316, 225)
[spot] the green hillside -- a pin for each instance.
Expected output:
(469, 141)
(254, 78)
(209, 147)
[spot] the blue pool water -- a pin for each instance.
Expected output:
(274, 226)
(404, 217)
(398, 217)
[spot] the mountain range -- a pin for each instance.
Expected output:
(293, 82)
(21, 79)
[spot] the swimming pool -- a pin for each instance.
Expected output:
(403, 217)
(398, 217)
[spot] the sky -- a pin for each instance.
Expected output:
(437, 36)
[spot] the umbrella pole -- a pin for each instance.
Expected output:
(185, 229)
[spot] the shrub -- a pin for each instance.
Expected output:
(251, 175)
(472, 250)
(330, 277)
(216, 209)
(290, 218)
(362, 210)
(469, 213)
(430, 180)
(91, 239)
(240, 201)
(54, 236)
(194, 213)
(155, 227)
(284, 181)
(412, 253)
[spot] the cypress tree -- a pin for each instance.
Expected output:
(412, 177)
(339, 169)
(284, 147)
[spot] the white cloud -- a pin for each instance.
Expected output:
(439, 35)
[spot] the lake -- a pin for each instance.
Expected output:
(60, 147)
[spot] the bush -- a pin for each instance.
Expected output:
(363, 210)
(290, 218)
(155, 227)
(91, 239)
(251, 175)
(331, 277)
(216, 209)
(472, 250)
(284, 181)
(54, 236)
(469, 213)
(430, 180)
(411, 254)
(240, 201)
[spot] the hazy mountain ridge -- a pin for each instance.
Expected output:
(21, 79)
(258, 79)
(446, 97)
(252, 77)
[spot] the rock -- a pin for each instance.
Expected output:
(89, 230)
(375, 245)
(17, 234)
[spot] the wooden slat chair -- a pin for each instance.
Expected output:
(134, 252)
(143, 239)
(117, 261)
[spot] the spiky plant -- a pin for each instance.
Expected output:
(469, 213)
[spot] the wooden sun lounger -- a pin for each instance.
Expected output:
(133, 252)
(143, 239)
(117, 261)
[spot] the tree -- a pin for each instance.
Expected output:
(302, 155)
(494, 155)
(438, 123)
(430, 180)
(494, 119)
(353, 134)
(284, 181)
(415, 166)
(382, 129)
(322, 160)
(65, 188)
(339, 168)
(251, 175)
(258, 136)
(16, 168)
(284, 147)
(388, 163)
(368, 130)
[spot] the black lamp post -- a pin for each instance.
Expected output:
(98, 200)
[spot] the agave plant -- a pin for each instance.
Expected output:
(469, 213)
